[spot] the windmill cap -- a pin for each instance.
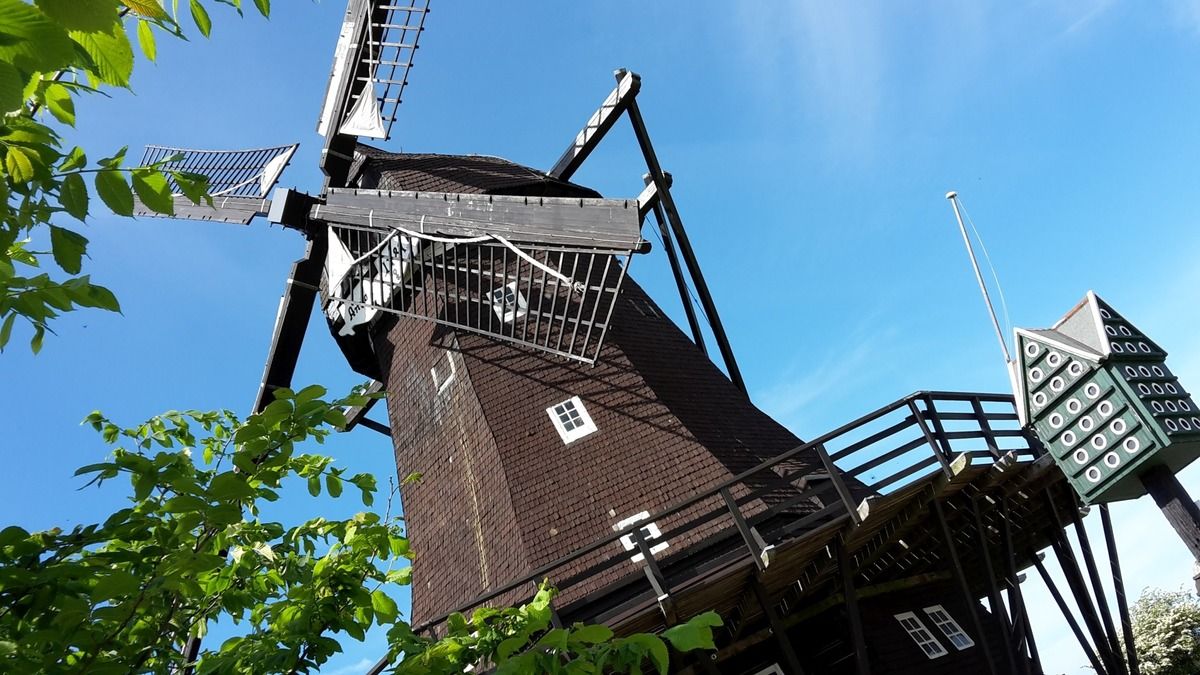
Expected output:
(951, 194)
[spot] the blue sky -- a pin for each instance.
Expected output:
(811, 145)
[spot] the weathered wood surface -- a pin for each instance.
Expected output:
(565, 221)
(628, 85)
(238, 210)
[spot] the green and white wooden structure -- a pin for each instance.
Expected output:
(1098, 393)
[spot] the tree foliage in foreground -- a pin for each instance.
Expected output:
(1166, 630)
(51, 52)
(193, 549)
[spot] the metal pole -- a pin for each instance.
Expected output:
(953, 197)
(685, 246)
(1114, 562)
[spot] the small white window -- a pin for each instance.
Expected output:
(508, 303)
(571, 419)
(443, 373)
(649, 531)
(949, 627)
(917, 631)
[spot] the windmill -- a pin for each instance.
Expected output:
(567, 429)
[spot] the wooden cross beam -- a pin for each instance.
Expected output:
(587, 223)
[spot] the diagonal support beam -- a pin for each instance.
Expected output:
(628, 85)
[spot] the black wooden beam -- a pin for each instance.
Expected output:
(1066, 612)
(357, 414)
(628, 85)
(1114, 563)
(1089, 560)
(589, 223)
(1173, 499)
(1070, 567)
(963, 587)
(291, 321)
(862, 665)
(777, 627)
(997, 602)
(685, 296)
(1019, 619)
(685, 246)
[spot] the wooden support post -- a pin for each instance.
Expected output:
(1066, 612)
(998, 609)
(1114, 562)
(655, 576)
(1019, 616)
(929, 438)
(1098, 588)
(676, 271)
(685, 246)
(963, 586)
(1176, 505)
(777, 627)
(1070, 568)
(375, 426)
(862, 665)
(744, 529)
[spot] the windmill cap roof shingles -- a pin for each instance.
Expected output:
(467, 174)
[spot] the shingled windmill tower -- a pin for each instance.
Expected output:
(565, 428)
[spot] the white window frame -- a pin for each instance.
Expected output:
(772, 669)
(502, 309)
(929, 645)
(440, 384)
(649, 531)
(949, 627)
(585, 427)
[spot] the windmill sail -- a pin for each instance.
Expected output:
(370, 67)
(239, 180)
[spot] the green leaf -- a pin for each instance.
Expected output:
(73, 195)
(147, 8)
(6, 330)
(314, 485)
(74, 160)
(12, 88)
(82, 15)
(334, 485)
(264, 7)
(385, 607)
(19, 163)
(695, 634)
(146, 40)
(193, 185)
(35, 343)
(60, 104)
(68, 247)
(593, 634)
(111, 54)
(115, 192)
(32, 42)
(154, 191)
(230, 485)
(412, 478)
(654, 648)
(200, 16)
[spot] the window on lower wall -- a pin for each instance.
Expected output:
(571, 419)
(949, 627)
(921, 635)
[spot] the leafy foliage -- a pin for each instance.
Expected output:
(193, 549)
(52, 51)
(1166, 630)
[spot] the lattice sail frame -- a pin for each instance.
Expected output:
(239, 180)
(556, 299)
(374, 54)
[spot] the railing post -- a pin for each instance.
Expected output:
(746, 531)
(654, 574)
(838, 484)
(989, 436)
(933, 444)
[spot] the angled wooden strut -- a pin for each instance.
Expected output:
(623, 99)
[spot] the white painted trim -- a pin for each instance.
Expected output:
(650, 531)
(928, 644)
(950, 628)
(442, 385)
(584, 428)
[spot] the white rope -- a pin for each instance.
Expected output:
(991, 268)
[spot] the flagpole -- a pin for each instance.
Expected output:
(953, 197)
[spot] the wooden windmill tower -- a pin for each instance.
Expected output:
(565, 428)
